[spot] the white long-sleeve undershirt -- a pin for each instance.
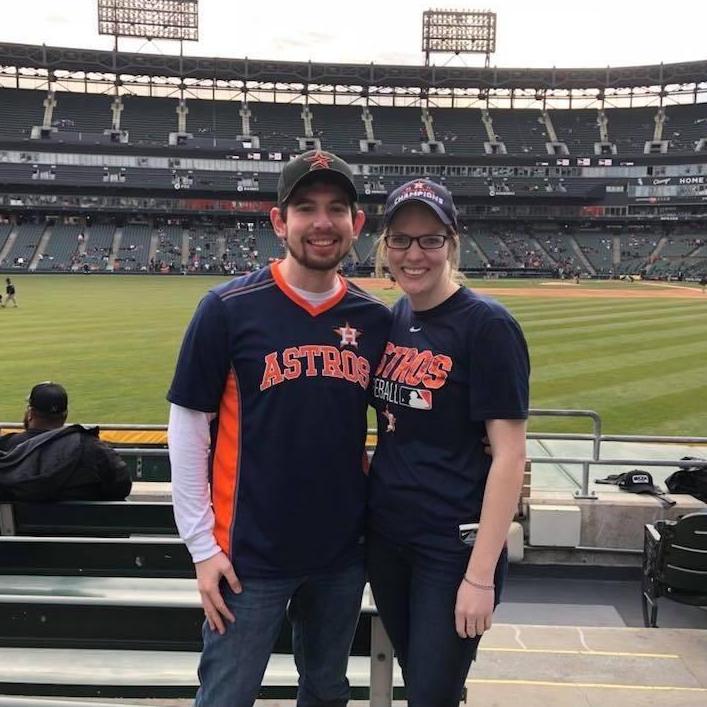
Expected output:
(189, 441)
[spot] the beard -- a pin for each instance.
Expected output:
(312, 261)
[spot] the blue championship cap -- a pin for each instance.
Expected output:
(427, 192)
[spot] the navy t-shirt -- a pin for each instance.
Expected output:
(290, 384)
(444, 372)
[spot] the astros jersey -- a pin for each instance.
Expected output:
(290, 384)
(443, 373)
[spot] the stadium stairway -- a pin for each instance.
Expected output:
(115, 248)
(12, 237)
(581, 256)
(41, 248)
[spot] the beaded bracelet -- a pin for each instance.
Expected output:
(488, 587)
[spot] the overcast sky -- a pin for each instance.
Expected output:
(533, 33)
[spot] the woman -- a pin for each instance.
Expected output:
(455, 370)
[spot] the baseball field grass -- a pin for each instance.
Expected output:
(634, 352)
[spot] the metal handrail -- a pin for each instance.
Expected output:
(596, 437)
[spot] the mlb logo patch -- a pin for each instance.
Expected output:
(415, 398)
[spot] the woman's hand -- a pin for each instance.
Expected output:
(473, 611)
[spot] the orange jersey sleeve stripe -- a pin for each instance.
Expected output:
(226, 463)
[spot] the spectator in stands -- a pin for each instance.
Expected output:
(47, 407)
(288, 348)
(436, 583)
(9, 293)
(66, 469)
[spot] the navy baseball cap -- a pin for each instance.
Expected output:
(427, 192)
(48, 398)
(315, 164)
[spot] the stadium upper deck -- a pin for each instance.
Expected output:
(351, 108)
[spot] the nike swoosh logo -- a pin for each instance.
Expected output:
(414, 330)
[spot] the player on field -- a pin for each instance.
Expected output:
(269, 403)
(9, 293)
(454, 370)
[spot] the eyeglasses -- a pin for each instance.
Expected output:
(401, 241)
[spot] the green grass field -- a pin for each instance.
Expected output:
(113, 341)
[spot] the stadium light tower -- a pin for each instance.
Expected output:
(149, 19)
(458, 32)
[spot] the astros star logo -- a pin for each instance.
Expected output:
(391, 420)
(319, 161)
(349, 335)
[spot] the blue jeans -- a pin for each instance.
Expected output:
(323, 610)
(416, 594)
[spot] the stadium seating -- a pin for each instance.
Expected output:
(495, 249)
(168, 254)
(365, 248)
(398, 129)
(674, 564)
(268, 246)
(62, 248)
(460, 129)
(20, 109)
(149, 120)
(636, 250)
(81, 582)
(82, 112)
(524, 248)
(241, 250)
(134, 251)
(522, 131)
(277, 124)
(558, 247)
(577, 128)
(340, 128)
(206, 248)
(23, 249)
(630, 128)
(5, 230)
(219, 120)
(685, 126)
(98, 246)
(598, 249)
(469, 256)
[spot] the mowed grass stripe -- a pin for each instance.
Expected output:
(668, 354)
(572, 317)
(554, 349)
(529, 307)
(660, 410)
(542, 333)
(630, 380)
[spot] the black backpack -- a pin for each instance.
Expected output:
(66, 464)
(691, 479)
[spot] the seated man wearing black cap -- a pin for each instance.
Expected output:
(53, 462)
(47, 406)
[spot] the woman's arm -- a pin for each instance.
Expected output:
(475, 597)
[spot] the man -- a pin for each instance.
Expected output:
(10, 293)
(47, 407)
(53, 462)
(277, 365)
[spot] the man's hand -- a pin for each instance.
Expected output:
(473, 611)
(208, 576)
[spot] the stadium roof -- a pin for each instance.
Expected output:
(27, 56)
